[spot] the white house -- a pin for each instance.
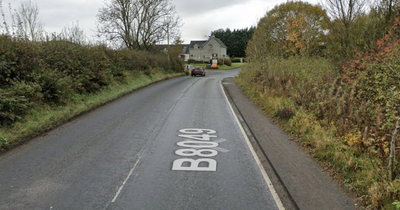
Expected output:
(203, 50)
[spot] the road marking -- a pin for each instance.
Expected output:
(127, 178)
(197, 143)
(219, 148)
(260, 166)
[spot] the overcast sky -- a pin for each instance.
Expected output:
(199, 17)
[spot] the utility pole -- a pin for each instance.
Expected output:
(169, 48)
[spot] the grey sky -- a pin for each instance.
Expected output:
(199, 17)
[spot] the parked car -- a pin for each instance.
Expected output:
(188, 69)
(198, 70)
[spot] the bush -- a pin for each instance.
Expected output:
(225, 61)
(359, 103)
(4, 144)
(55, 88)
(177, 65)
(12, 106)
(236, 60)
(37, 73)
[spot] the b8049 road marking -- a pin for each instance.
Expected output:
(197, 143)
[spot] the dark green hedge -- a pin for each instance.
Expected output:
(33, 73)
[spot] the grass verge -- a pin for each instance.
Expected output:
(41, 119)
(292, 93)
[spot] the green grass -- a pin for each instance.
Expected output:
(41, 119)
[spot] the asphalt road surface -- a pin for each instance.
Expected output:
(173, 145)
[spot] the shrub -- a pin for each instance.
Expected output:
(37, 73)
(225, 61)
(360, 103)
(55, 87)
(284, 113)
(177, 65)
(235, 60)
(12, 106)
(4, 144)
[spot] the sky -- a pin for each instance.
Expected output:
(199, 17)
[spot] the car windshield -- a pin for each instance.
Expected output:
(197, 67)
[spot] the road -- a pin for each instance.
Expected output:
(173, 145)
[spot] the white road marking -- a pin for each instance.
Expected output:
(261, 167)
(219, 148)
(127, 178)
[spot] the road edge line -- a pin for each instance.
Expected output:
(259, 164)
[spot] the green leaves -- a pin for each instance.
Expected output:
(289, 29)
(37, 73)
(4, 144)
(235, 40)
(12, 106)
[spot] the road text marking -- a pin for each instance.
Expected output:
(197, 143)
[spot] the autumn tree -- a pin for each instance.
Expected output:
(380, 17)
(296, 43)
(138, 24)
(289, 29)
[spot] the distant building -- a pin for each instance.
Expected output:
(203, 50)
(197, 50)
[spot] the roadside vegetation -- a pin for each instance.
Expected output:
(333, 83)
(45, 84)
(48, 79)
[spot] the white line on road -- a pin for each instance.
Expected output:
(265, 175)
(127, 178)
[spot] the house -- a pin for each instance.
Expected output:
(197, 50)
(203, 50)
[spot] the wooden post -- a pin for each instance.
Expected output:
(392, 155)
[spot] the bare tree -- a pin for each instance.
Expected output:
(29, 26)
(342, 31)
(345, 10)
(73, 34)
(139, 24)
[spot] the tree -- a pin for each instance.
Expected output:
(74, 34)
(343, 30)
(381, 17)
(291, 28)
(138, 24)
(177, 47)
(29, 26)
(235, 40)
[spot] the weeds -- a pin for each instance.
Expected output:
(4, 144)
(284, 113)
(338, 124)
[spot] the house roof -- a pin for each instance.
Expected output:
(219, 42)
(180, 47)
(186, 50)
(201, 43)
